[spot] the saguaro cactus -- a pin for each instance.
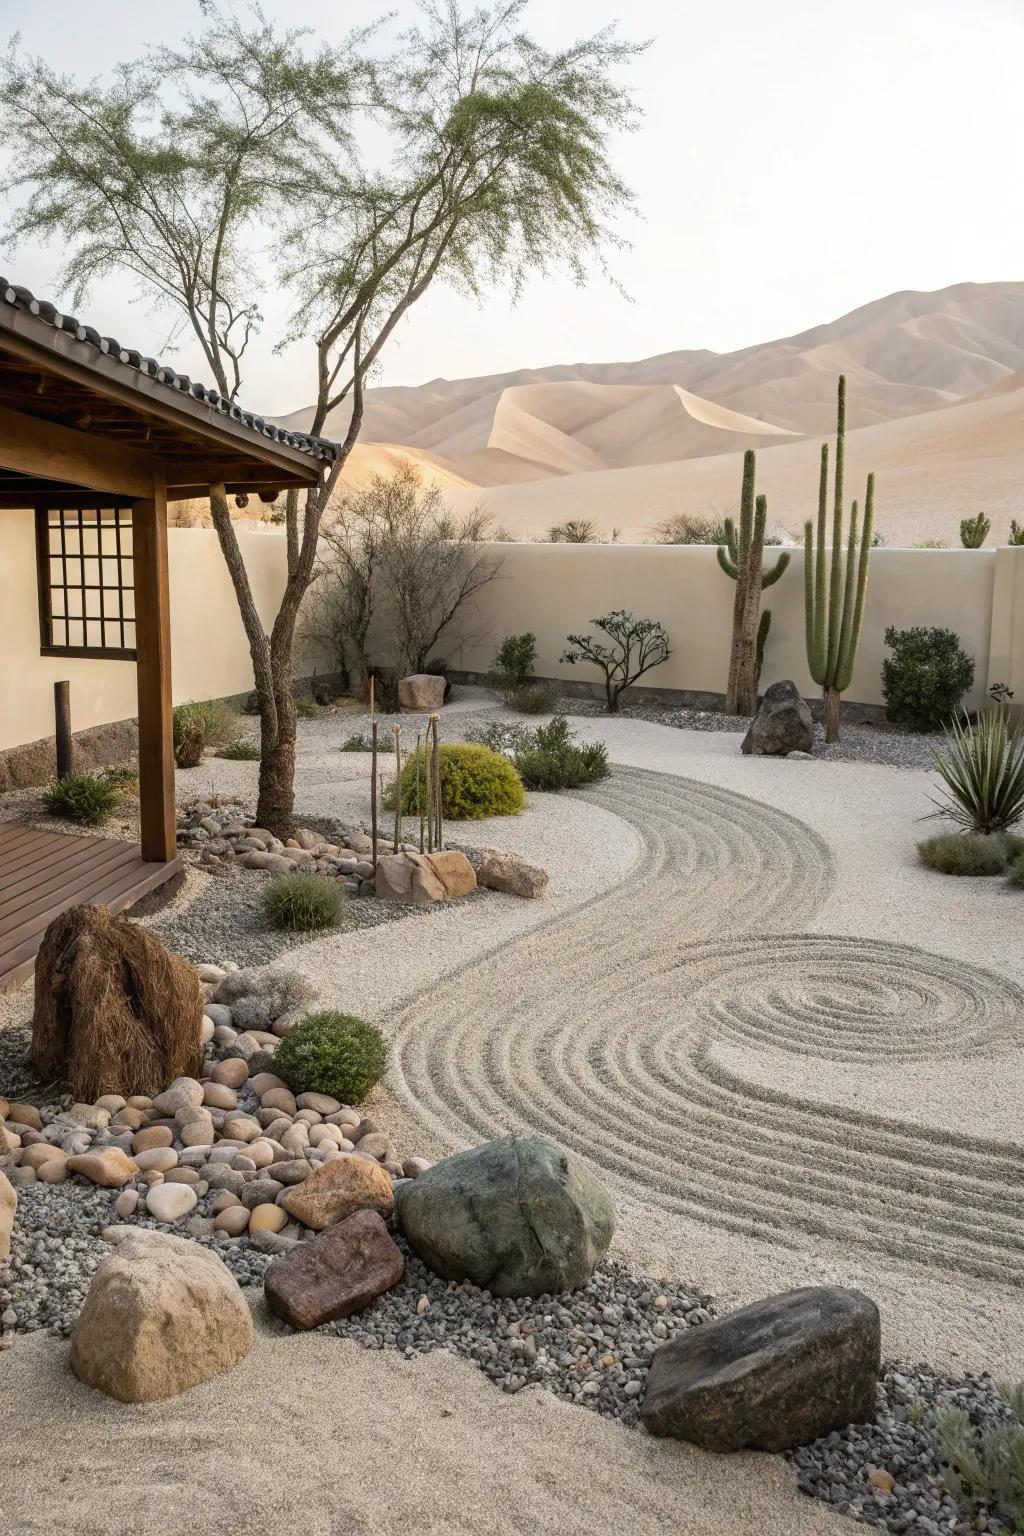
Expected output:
(835, 585)
(742, 558)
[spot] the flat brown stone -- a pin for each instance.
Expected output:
(336, 1189)
(335, 1274)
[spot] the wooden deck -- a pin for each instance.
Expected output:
(44, 873)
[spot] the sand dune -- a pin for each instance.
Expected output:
(906, 353)
(932, 470)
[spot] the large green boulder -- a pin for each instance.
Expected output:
(519, 1216)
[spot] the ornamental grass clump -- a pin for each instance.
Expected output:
(200, 725)
(300, 903)
(982, 770)
(85, 798)
(925, 678)
(333, 1053)
(959, 853)
(475, 783)
(555, 759)
(241, 751)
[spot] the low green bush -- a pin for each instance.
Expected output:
(966, 853)
(333, 1053)
(531, 699)
(475, 783)
(925, 678)
(359, 741)
(85, 798)
(200, 725)
(241, 751)
(550, 757)
(302, 902)
(308, 709)
(1016, 872)
(122, 777)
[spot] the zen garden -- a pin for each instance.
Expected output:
(494, 1036)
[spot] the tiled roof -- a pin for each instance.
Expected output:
(21, 298)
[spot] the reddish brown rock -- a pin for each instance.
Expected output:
(335, 1274)
(338, 1188)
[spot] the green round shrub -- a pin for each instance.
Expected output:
(960, 853)
(475, 782)
(86, 798)
(333, 1053)
(1016, 875)
(925, 678)
(303, 902)
(531, 699)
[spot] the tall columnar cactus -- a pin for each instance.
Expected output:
(835, 585)
(742, 558)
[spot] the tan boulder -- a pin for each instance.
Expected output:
(109, 1167)
(453, 869)
(507, 872)
(42, 1152)
(336, 1189)
(268, 1218)
(418, 879)
(162, 1315)
(25, 1114)
(8, 1206)
(421, 691)
(152, 1136)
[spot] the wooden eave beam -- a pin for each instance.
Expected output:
(47, 451)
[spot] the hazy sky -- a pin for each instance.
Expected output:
(796, 159)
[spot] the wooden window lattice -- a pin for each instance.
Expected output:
(86, 581)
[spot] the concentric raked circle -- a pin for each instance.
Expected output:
(598, 1029)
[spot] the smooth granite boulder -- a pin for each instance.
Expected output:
(771, 1376)
(519, 1217)
(783, 724)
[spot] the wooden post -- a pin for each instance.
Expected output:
(398, 786)
(373, 790)
(62, 717)
(153, 669)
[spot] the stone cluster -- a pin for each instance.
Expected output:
(269, 1160)
(219, 831)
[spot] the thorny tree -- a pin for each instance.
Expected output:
(637, 646)
(497, 166)
(392, 546)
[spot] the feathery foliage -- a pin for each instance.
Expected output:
(301, 902)
(86, 798)
(986, 1465)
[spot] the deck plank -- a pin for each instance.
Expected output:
(43, 873)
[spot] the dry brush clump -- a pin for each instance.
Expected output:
(115, 1011)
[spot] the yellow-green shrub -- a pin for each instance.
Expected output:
(475, 783)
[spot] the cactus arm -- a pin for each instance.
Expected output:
(747, 507)
(727, 554)
(814, 635)
(862, 586)
(771, 576)
(848, 596)
(836, 573)
(762, 636)
(818, 601)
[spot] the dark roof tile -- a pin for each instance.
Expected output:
(21, 298)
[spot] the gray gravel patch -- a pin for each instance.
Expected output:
(836, 1469)
(881, 743)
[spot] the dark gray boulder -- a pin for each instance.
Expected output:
(519, 1216)
(771, 1376)
(782, 724)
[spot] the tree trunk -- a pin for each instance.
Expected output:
(833, 700)
(275, 809)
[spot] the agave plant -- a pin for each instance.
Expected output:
(982, 769)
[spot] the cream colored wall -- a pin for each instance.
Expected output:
(548, 588)
(554, 588)
(210, 656)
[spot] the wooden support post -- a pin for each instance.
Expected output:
(153, 667)
(62, 718)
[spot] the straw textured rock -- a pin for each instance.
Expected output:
(115, 1011)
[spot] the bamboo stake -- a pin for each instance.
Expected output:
(373, 787)
(428, 793)
(421, 808)
(437, 785)
(373, 710)
(398, 785)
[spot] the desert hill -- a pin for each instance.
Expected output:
(932, 469)
(905, 354)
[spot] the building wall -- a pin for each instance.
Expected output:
(553, 589)
(210, 654)
(548, 588)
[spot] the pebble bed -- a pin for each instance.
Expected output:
(883, 744)
(837, 1469)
